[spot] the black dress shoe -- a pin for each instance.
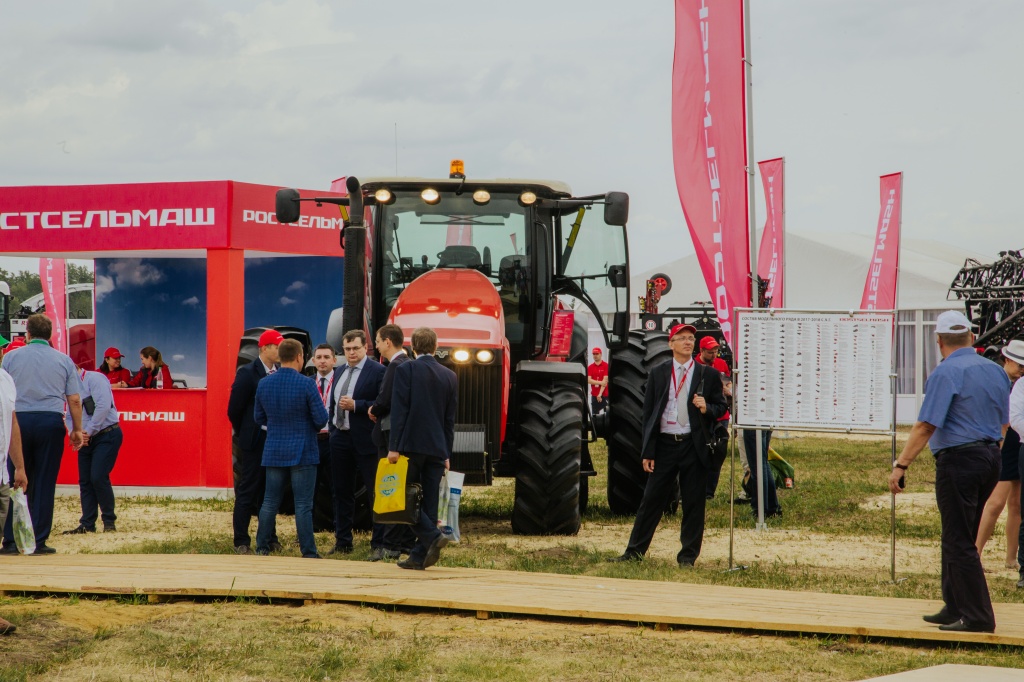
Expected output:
(686, 564)
(341, 549)
(44, 549)
(1020, 583)
(9, 549)
(109, 528)
(962, 626)
(276, 546)
(943, 617)
(81, 530)
(624, 558)
(434, 551)
(411, 565)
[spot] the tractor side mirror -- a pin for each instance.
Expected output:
(617, 276)
(616, 208)
(286, 205)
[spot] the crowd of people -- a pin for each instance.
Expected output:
(338, 424)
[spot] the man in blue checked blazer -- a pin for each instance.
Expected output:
(289, 405)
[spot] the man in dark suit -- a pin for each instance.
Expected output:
(353, 454)
(398, 537)
(247, 443)
(681, 404)
(289, 406)
(423, 404)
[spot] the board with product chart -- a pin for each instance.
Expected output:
(814, 371)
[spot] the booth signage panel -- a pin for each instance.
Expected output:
(171, 215)
(164, 437)
(254, 224)
(814, 370)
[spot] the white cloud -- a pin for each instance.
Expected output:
(132, 272)
(287, 301)
(192, 301)
(297, 286)
(104, 285)
(178, 357)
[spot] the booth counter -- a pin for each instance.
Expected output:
(164, 443)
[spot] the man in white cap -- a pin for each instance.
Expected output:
(962, 419)
(1014, 353)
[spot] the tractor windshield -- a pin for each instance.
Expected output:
(492, 239)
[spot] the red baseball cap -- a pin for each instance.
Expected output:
(271, 337)
(112, 353)
(708, 342)
(16, 342)
(596, 350)
(679, 328)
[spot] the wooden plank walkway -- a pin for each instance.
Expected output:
(486, 591)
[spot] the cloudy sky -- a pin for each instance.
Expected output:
(298, 92)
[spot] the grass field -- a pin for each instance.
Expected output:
(814, 547)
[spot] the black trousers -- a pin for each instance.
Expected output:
(250, 485)
(426, 470)
(674, 461)
(348, 468)
(42, 444)
(718, 460)
(963, 482)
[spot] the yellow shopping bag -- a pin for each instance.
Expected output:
(389, 493)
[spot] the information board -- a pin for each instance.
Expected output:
(818, 371)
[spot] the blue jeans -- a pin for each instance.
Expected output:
(771, 498)
(95, 462)
(303, 478)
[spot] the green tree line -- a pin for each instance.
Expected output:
(25, 285)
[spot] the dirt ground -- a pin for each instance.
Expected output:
(158, 521)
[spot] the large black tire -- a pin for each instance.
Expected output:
(547, 497)
(627, 381)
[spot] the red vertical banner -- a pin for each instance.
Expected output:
(771, 255)
(884, 267)
(709, 146)
(53, 276)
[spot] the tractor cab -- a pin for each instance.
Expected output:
(499, 269)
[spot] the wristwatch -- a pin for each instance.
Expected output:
(897, 465)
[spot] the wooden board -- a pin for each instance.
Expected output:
(474, 590)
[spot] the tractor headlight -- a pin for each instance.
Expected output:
(527, 198)
(484, 356)
(430, 196)
(481, 197)
(461, 355)
(383, 196)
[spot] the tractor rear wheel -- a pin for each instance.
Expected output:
(547, 497)
(627, 381)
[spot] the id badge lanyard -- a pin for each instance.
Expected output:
(677, 386)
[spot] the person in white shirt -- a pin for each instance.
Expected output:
(1014, 354)
(10, 441)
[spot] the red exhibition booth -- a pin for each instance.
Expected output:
(182, 437)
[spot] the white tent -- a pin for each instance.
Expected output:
(826, 271)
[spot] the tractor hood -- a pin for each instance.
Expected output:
(461, 306)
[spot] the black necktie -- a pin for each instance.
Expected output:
(323, 386)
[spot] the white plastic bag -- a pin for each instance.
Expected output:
(24, 534)
(442, 502)
(451, 525)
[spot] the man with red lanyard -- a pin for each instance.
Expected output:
(682, 402)
(597, 377)
(324, 357)
(709, 350)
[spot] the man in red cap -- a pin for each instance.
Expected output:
(682, 401)
(248, 440)
(597, 377)
(708, 356)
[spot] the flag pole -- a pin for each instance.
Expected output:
(752, 224)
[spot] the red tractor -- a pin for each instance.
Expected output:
(495, 268)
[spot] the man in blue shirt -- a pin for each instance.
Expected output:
(96, 456)
(45, 379)
(962, 419)
(289, 406)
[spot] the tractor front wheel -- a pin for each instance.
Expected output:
(547, 498)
